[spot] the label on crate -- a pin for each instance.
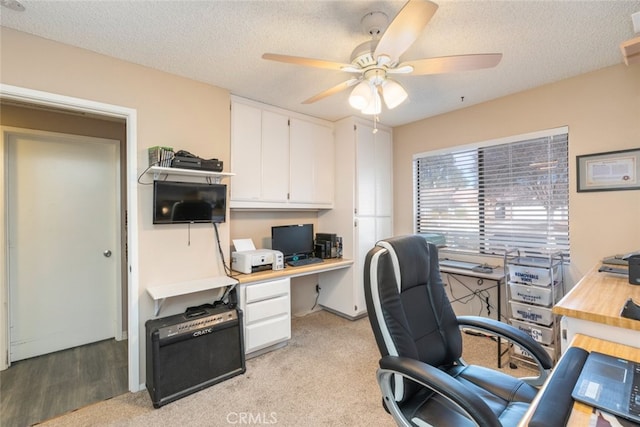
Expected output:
(536, 334)
(527, 297)
(529, 315)
(526, 276)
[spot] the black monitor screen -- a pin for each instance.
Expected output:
(294, 241)
(187, 202)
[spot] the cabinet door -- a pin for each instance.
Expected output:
(366, 240)
(383, 169)
(366, 171)
(323, 165)
(301, 161)
(312, 160)
(246, 152)
(384, 227)
(275, 158)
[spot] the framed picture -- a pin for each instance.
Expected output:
(615, 170)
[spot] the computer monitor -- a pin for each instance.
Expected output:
(294, 241)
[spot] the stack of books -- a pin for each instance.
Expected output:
(160, 156)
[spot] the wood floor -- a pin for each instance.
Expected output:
(43, 387)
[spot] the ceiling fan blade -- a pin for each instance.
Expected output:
(337, 88)
(453, 64)
(309, 62)
(405, 28)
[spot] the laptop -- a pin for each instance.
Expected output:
(610, 384)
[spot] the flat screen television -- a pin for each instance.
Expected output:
(188, 202)
(294, 241)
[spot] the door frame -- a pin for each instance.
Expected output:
(130, 116)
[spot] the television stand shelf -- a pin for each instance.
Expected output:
(161, 292)
(160, 170)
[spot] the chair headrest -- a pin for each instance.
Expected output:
(411, 256)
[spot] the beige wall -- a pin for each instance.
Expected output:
(171, 111)
(602, 110)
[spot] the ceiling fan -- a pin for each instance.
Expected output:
(375, 60)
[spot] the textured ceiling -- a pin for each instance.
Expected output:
(221, 43)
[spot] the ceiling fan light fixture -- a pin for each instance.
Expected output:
(375, 103)
(360, 96)
(393, 93)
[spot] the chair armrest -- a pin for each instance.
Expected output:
(510, 333)
(434, 379)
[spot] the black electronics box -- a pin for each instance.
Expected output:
(326, 245)
(186, 162)
(634, 269)
(214, 165)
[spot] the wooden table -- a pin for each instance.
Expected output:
(581, 413)
(593, 308)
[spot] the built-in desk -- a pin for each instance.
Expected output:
(264, 298)
(288, 271)
(593, 308)
(581, 413)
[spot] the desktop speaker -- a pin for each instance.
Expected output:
(634, 269)
(189, 352)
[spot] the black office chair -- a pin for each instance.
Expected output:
(423, 379)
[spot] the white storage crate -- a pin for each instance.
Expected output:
(534, 294)
(542, 334)
(519, 351)
(531, 313)
(539, 276)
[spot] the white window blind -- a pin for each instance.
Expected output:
(487, 199)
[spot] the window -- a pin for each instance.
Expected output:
(493, 196)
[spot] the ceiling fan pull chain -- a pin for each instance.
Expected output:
(375, 123)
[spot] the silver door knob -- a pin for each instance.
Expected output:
(107, 253)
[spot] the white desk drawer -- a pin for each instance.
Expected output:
(266, 290)
(260, 310)
(266, 333)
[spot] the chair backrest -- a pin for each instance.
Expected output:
(407, 305)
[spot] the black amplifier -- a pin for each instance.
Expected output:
(189, 352)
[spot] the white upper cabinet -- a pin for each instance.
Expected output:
(365, 171)
(312, 165)
(246, 152)
(275, 157)
(281, 159)
(384, 173)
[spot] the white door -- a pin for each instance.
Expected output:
(64, 243)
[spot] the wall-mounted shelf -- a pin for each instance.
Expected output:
(161, 292)
(157, 171)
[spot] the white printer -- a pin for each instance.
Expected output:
(247, 259)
